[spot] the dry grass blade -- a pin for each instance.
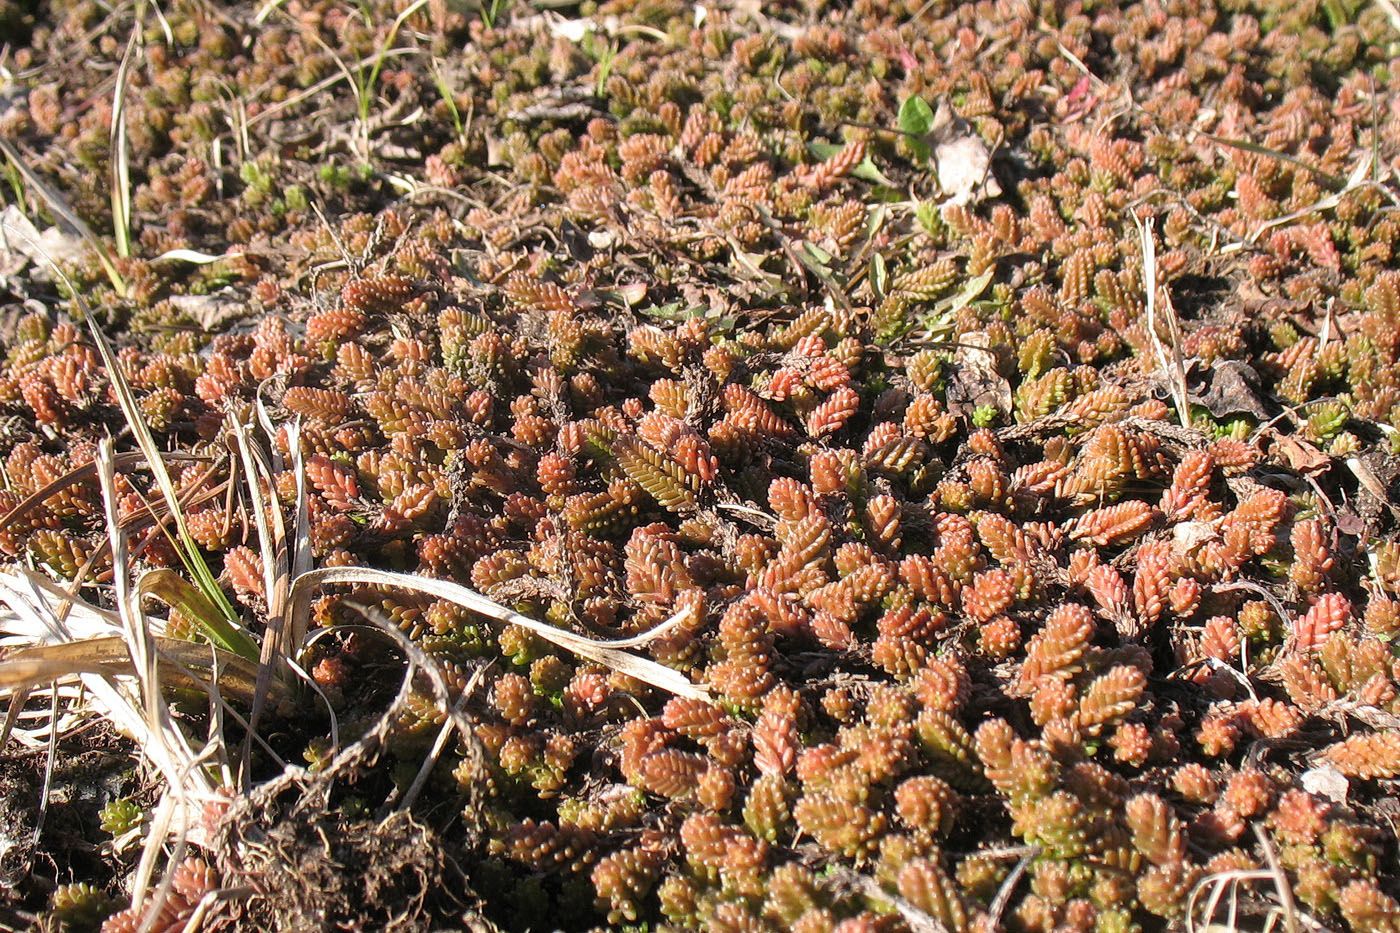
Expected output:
(418, 659)
(279, 645)
(917, 921)
(267, 519)
(81, 474)
(293, 99)
(267, 10)
(1357, 178)
(24, 587)
(1003, 897)
(1335, 181)
(38, 613)
(140, 642)
(119, 152)
(1281, 885)
(1218, 884)
(1173, 369)
(124, 648)
(302, 558)
(165, 744)
(449, 728)
(1392, 13)
(612, 654)
(276, 652)
(14, 713)
(30, 667)
(1368, 480)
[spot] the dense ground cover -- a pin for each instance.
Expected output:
(992, 405)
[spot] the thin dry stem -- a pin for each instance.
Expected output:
(1173, 370)
(612, 654)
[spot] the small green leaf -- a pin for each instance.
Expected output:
(672, 311)
(915, 116)
(927, 215)
(878, 275)
(876, 219)
(887, 194)
(816, 253)
(939, 319)
(973, 288)
(176, 592)
(916, 119)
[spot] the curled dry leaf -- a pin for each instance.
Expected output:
(975, 381)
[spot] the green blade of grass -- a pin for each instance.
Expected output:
(448, 98)
(175, 591)
(367, 88)
(65, 215)
(189, 550)
(1335, 181)
(185, 544)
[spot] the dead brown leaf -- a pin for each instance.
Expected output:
(961, 159)
(1298, 453)
(975, 381)
(1233, 389)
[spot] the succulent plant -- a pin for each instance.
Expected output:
(652, 313)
